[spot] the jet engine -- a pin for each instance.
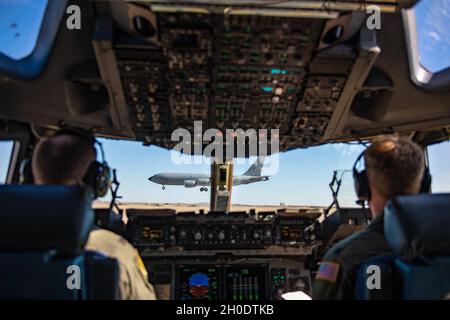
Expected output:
(190, 183)
(203, 182)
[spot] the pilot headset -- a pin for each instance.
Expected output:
(362, 187)
(98, 175)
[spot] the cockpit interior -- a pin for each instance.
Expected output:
(304, 73)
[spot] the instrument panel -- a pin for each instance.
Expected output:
(228, 279)
(159, 230)
(235, 256)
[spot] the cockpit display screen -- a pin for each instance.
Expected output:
(196, 282)
(246, 283)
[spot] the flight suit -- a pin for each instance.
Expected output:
(336, 276)
(133, 283)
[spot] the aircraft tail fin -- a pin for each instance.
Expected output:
(255, 168)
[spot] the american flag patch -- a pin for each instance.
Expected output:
(328, 271)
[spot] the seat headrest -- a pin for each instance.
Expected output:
(37, 218)
(418, 225)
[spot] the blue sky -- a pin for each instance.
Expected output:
(303, 175)
(5, 153)
(18, 36)
(433, 28)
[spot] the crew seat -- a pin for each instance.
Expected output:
(43, 231)
(418, 230)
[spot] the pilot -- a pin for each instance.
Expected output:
(64, 159)
(394, 166)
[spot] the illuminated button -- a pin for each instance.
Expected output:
(279, 91)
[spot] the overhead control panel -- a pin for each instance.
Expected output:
(232, 71)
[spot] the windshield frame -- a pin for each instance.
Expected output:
(420, 76)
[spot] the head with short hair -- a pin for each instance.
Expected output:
(62, 159)
(394, 166)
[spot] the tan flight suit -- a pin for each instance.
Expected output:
(133, 283)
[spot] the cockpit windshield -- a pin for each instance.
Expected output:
(301, 177)
(433, 34)
(20, 25)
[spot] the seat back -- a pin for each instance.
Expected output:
(417, 229)
(424, 279)
(102, 277)
(39, 275)
(43, 232)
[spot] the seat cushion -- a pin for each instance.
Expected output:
(418, 225)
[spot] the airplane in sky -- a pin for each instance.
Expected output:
(202, 180)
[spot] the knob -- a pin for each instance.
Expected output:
(268, 233)
(182, 233)
(197, 236)
(221, 235)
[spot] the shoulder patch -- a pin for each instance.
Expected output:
(141, 266)
(328, 271)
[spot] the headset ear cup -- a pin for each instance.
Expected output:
(98, 177)
(103, 180)
(361, 184)
(91, 176)
(25, 173)
(365, 188)
(425, 185)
